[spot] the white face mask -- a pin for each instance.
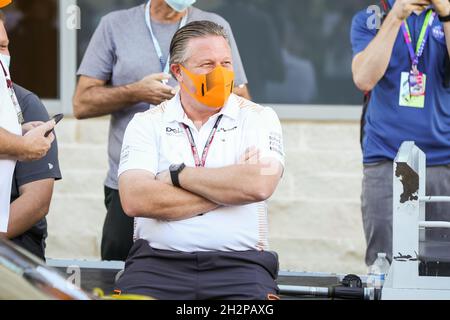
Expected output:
(180, 5)
(6, 60)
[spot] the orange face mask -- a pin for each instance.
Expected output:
(212, 89)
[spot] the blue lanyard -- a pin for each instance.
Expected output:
(424, 33)
(165, 67)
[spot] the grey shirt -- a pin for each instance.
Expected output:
(121, 52)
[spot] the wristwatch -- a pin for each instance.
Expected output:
(444, 19)
(175, 170)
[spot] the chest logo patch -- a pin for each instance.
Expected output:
(438, 34)
(227, 130)
(173, 131)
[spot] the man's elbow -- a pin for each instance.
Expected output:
(136, 207)
(266, 182)
(261, 192)
(44, 210)
(41, 211)
(130, 207)
(79, 109)
(361, 77)
(82, 104)
(362, 83)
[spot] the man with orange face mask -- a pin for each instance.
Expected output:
(125, 70)
(195, 173)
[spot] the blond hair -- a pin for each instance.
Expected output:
(196, 29)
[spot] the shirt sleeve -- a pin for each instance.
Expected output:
(361, 35)
(140, 146)
(263, 131)
(48, 166)
(99, 58)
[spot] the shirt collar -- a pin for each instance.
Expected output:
(425, 11)
(175, 112)
(231, 109)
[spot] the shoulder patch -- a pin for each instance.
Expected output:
(245, 104)
(158, 110)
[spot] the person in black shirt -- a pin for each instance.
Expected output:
(32, 186)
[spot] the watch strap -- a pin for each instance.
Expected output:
(174, 175)
(444, 19)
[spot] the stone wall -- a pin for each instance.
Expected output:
(315, 219)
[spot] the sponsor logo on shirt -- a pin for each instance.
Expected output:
(276, 143)
(125, 155)
(173, 131)
(438, 34)
(226, 130)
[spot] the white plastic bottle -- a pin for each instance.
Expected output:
(378, 272)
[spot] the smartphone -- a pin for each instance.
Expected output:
(57, 117)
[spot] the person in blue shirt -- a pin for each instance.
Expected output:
(405, 65)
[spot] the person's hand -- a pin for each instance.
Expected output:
(402, 9)
(35, 144)
(442, 7)
(30, 125)
(164, 177)
(152, 90)
(250, 156)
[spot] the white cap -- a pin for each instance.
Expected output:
(381, 255)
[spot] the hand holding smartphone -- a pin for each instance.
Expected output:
(57, 117)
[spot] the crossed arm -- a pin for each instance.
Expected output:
(203, 190)
(142, 195)
(234, 185)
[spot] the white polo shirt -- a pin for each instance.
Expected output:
(156, 139)
(9, 122)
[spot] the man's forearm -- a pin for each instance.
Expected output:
(370, 65)
(97, 101)
(31, 207)
(23, 215)
(233, 185)
(148, 198)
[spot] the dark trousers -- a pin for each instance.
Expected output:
(117, 238)
(171, 275)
